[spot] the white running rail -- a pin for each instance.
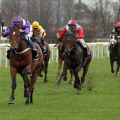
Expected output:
(98, 49)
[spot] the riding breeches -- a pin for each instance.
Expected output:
(82, 43)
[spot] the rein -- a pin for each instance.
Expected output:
(22, 51)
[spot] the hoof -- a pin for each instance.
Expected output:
(70, 82)
(75, 86)
(11, 102)
(65, 78)
(45, 81)
(41, 75)
(112, 71)
(57, 85)
(78, 92)
(25, 94)
(26, 102)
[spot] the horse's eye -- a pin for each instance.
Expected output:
(13, 33)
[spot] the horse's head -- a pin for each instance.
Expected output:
(15, 37)
(69, 43)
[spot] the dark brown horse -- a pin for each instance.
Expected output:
(115, 54)
(46, 56)
(74, 59)
(21, 62)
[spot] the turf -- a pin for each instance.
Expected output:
(52, 103)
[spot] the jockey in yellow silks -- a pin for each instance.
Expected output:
(39, 35)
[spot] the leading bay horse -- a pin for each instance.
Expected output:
(21, 62)
(74, 59)
(115, 53)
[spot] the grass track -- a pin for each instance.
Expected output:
(51, 103)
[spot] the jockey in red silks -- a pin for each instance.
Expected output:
(26, 29)
(76, 29)
(115, 33)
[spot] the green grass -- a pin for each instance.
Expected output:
(51, 103)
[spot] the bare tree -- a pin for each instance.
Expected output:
(101, 17)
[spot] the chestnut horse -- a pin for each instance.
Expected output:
(21, 62)
(74, 59)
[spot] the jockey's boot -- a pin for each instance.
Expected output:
(34, 50)
(44, 50)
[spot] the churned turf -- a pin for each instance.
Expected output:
(52, 103)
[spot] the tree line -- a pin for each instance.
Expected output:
(97, 19)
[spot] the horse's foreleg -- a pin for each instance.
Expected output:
(33, 80)
(111, 63)
(27, 82)
(65, 68)
(46, 69)
(85, 69)
(71, 75)
(77, 82)
(25, 86)
(13, 72)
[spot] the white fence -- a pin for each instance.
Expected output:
(99, 50)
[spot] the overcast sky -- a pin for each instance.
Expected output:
(86, 1)
(89, 2)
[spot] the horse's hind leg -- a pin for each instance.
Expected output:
(13, 72)
(46, 69)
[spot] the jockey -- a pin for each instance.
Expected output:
(38, 29)
(76, 29)
(18, 21)
(115, 33)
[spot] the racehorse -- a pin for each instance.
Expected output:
(21, 62)
(115, 53)
(74, 59)
(46, 56)
(61, 63)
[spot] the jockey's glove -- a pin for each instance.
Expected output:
(113, 41)
(60, 40)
